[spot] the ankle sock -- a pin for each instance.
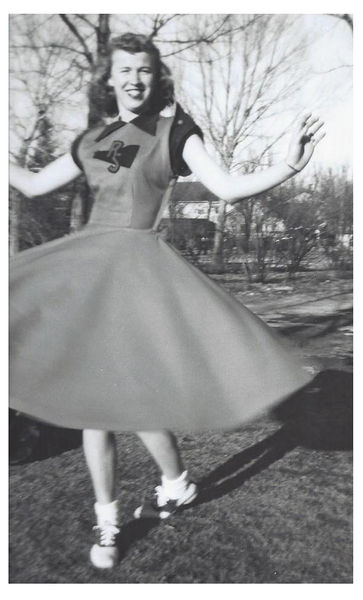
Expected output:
(175, 488)
(107, 512)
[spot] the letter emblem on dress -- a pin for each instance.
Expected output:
(118, 155)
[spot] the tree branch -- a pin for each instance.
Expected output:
(76, 33)
(83, 18)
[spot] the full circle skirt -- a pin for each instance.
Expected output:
(112, 329)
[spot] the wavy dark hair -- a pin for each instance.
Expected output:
(163, 92)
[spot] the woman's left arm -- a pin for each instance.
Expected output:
(232, 189)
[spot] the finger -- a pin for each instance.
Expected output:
(315, 141)
(310, 122)
(302, 119)
(318, 124)
(312, 130)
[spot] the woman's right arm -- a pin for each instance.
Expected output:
(55, 175)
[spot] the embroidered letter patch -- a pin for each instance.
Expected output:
(118, 155)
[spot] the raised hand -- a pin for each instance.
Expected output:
(304, 141)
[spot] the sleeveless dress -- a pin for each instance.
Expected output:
(112, 329)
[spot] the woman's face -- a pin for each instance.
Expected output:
(132, 77)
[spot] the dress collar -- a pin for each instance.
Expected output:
(144, 122)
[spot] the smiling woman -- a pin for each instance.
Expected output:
(135, 56)
(111, 328)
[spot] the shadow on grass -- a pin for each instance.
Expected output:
(133, 531)
(30, 440)
(319, 417)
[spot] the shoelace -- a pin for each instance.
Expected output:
(108, 532)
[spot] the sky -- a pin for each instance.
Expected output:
(331, 89)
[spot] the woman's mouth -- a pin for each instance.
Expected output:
(135, 93)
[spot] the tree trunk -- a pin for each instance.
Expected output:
(97, 91)
(14, 210)
(217, 254)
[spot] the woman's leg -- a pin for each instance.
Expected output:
(100, 452)
(176, 489)
(163, 447)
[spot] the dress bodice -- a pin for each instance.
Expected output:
(130, 165)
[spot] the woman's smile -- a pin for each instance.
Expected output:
(135, 93)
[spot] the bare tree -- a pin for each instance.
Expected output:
(245, 77)
(53, 60)
(42, 72)
(43, 79)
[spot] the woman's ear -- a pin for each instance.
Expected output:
(110, 81)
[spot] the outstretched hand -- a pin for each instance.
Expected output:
(304, 140)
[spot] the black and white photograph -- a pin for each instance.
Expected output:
(180, 297)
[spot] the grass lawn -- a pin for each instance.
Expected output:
(276, 495)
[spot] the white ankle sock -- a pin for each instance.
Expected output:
(107, 512)
(174, 488)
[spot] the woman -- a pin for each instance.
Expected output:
(112, 329)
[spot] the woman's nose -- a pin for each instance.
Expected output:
(134, 77)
